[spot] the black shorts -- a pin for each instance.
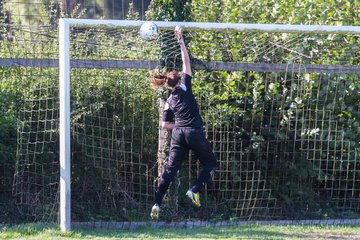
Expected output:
(185, 139)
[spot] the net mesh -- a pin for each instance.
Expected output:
(33, 94)
(278, 110)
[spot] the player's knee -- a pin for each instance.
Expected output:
(210, 168)
(168, 176)
(163, 181)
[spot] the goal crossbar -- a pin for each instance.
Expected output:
(247, 27)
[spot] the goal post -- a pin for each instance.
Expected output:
(64, 125)
(66, 64)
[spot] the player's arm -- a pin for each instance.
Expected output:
(184, 53)
(167, 125)
(167, 118)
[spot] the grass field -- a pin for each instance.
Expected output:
(40, 232)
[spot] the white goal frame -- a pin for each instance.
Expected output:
(65, 25)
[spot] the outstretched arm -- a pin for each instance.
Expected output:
(167, 125)
(184, 53)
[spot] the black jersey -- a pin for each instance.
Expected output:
(182, 105)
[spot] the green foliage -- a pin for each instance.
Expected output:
(286, 12)
(8, 145)
(169, 10)
(7, 130)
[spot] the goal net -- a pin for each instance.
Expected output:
(279, 104)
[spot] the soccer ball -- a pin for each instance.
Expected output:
(149, 31)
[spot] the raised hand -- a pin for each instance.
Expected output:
(178, 34)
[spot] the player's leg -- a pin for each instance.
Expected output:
(176, 155)
(203, 151)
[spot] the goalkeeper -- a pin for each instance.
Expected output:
(187, 130)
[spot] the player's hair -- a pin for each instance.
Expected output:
(169, 80)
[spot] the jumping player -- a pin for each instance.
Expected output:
(187, 130)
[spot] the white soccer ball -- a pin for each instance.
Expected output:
(149, 31)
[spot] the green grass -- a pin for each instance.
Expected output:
(39, 232)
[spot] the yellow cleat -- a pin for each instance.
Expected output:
(195, 198)
(155, 210)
